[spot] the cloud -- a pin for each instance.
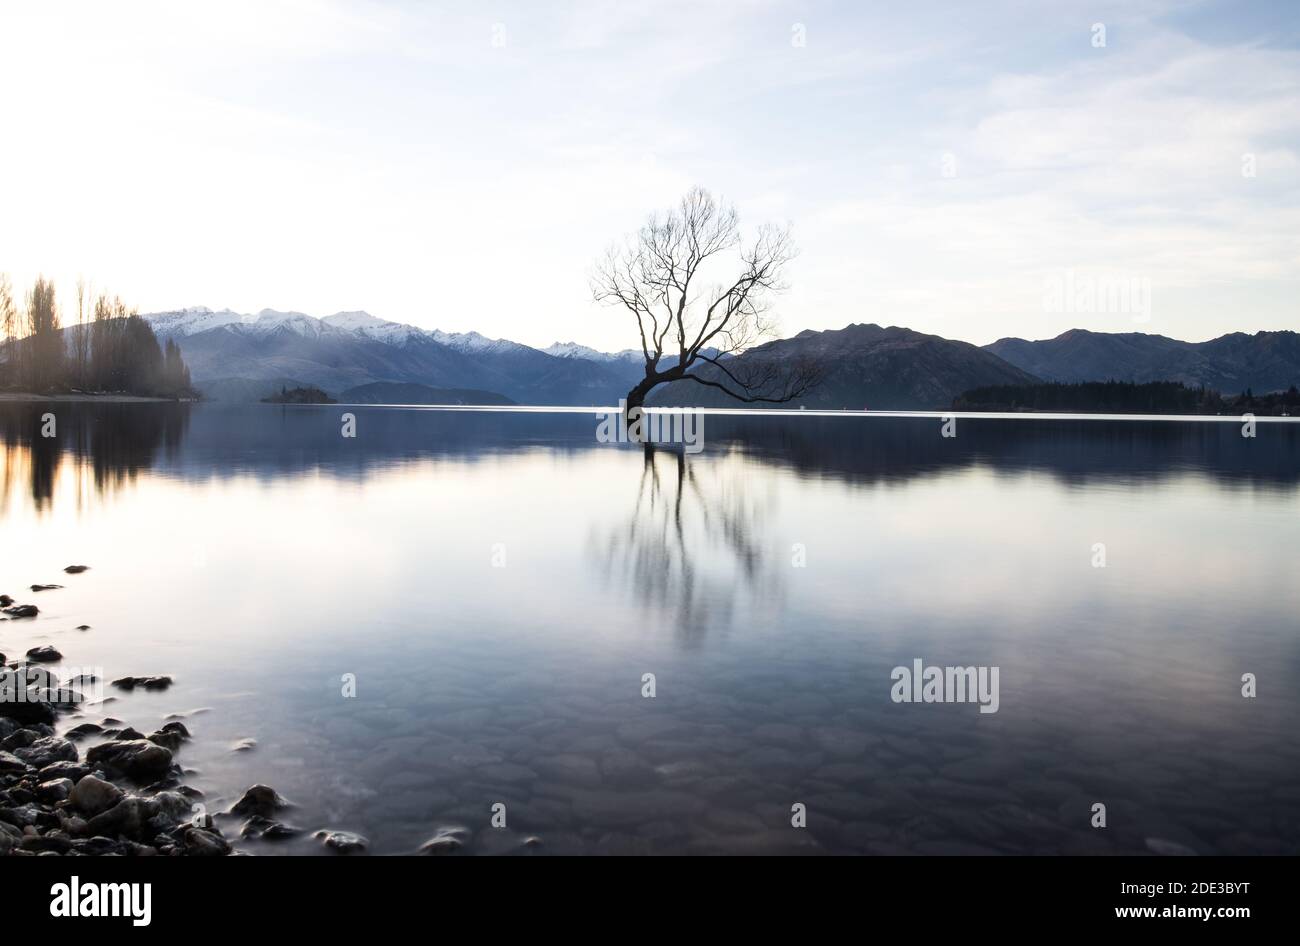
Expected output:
(327, 156)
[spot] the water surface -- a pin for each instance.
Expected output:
(497, 584)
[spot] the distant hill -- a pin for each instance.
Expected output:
(1263, 362)
(244, 390)
(391, 392)
(867, 366)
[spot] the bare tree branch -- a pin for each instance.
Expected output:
(658, 276)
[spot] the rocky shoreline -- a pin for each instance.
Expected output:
(126, 794)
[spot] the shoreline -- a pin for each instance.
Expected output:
(76, 398)
(125, 794)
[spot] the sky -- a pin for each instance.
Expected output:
(971, 170)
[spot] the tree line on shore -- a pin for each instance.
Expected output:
(109, 350)
(1125, 397)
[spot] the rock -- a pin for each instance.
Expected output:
(147, 683)
(343, 842)
(83, 627)
(49, 843)
(169, 740)
(244, 745)
(84, 730)
(76, 569)
(93, 795)
(46, 587)
(26, 710)
(54, 790)
(99, 846)
(5, 601)
(127, 734)
(126, 817)
(445, 841)
(47, 751)
(46, 654)
(1167, 848)
(200, 842)
(69, 770)
(20, 739)
(259, 800)
(267, 829)
(137, 758)
(22, 611)
(10, 764)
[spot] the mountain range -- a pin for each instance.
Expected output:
(1265, 361)
(233, 356)
(246, 357)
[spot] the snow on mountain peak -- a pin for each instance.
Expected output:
(196, 319)
(193, 320)
(351, 321)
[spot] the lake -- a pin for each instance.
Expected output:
(458, 610)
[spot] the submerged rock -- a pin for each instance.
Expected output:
(1167, 848)
(343, 842)
(146, 683)
(200, 842)
(46, 587)
(22, 610)
(259, 800)
(267, 829)
(445, 841)
(46, 654)
(167, 739)
(76, 569)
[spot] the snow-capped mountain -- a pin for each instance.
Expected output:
(574, 350)
(348, 349)
(184, 322)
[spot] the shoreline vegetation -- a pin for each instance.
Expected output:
(302, 395)
(1125, 397)
(109, 352)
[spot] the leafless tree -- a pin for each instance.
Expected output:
(8, 323)
(44, 363)
(81, 341)
(667, 277)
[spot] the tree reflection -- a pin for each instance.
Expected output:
(693, 546)
(108, 444)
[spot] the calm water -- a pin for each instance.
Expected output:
(499, 583)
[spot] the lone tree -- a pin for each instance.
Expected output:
(668, 277)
